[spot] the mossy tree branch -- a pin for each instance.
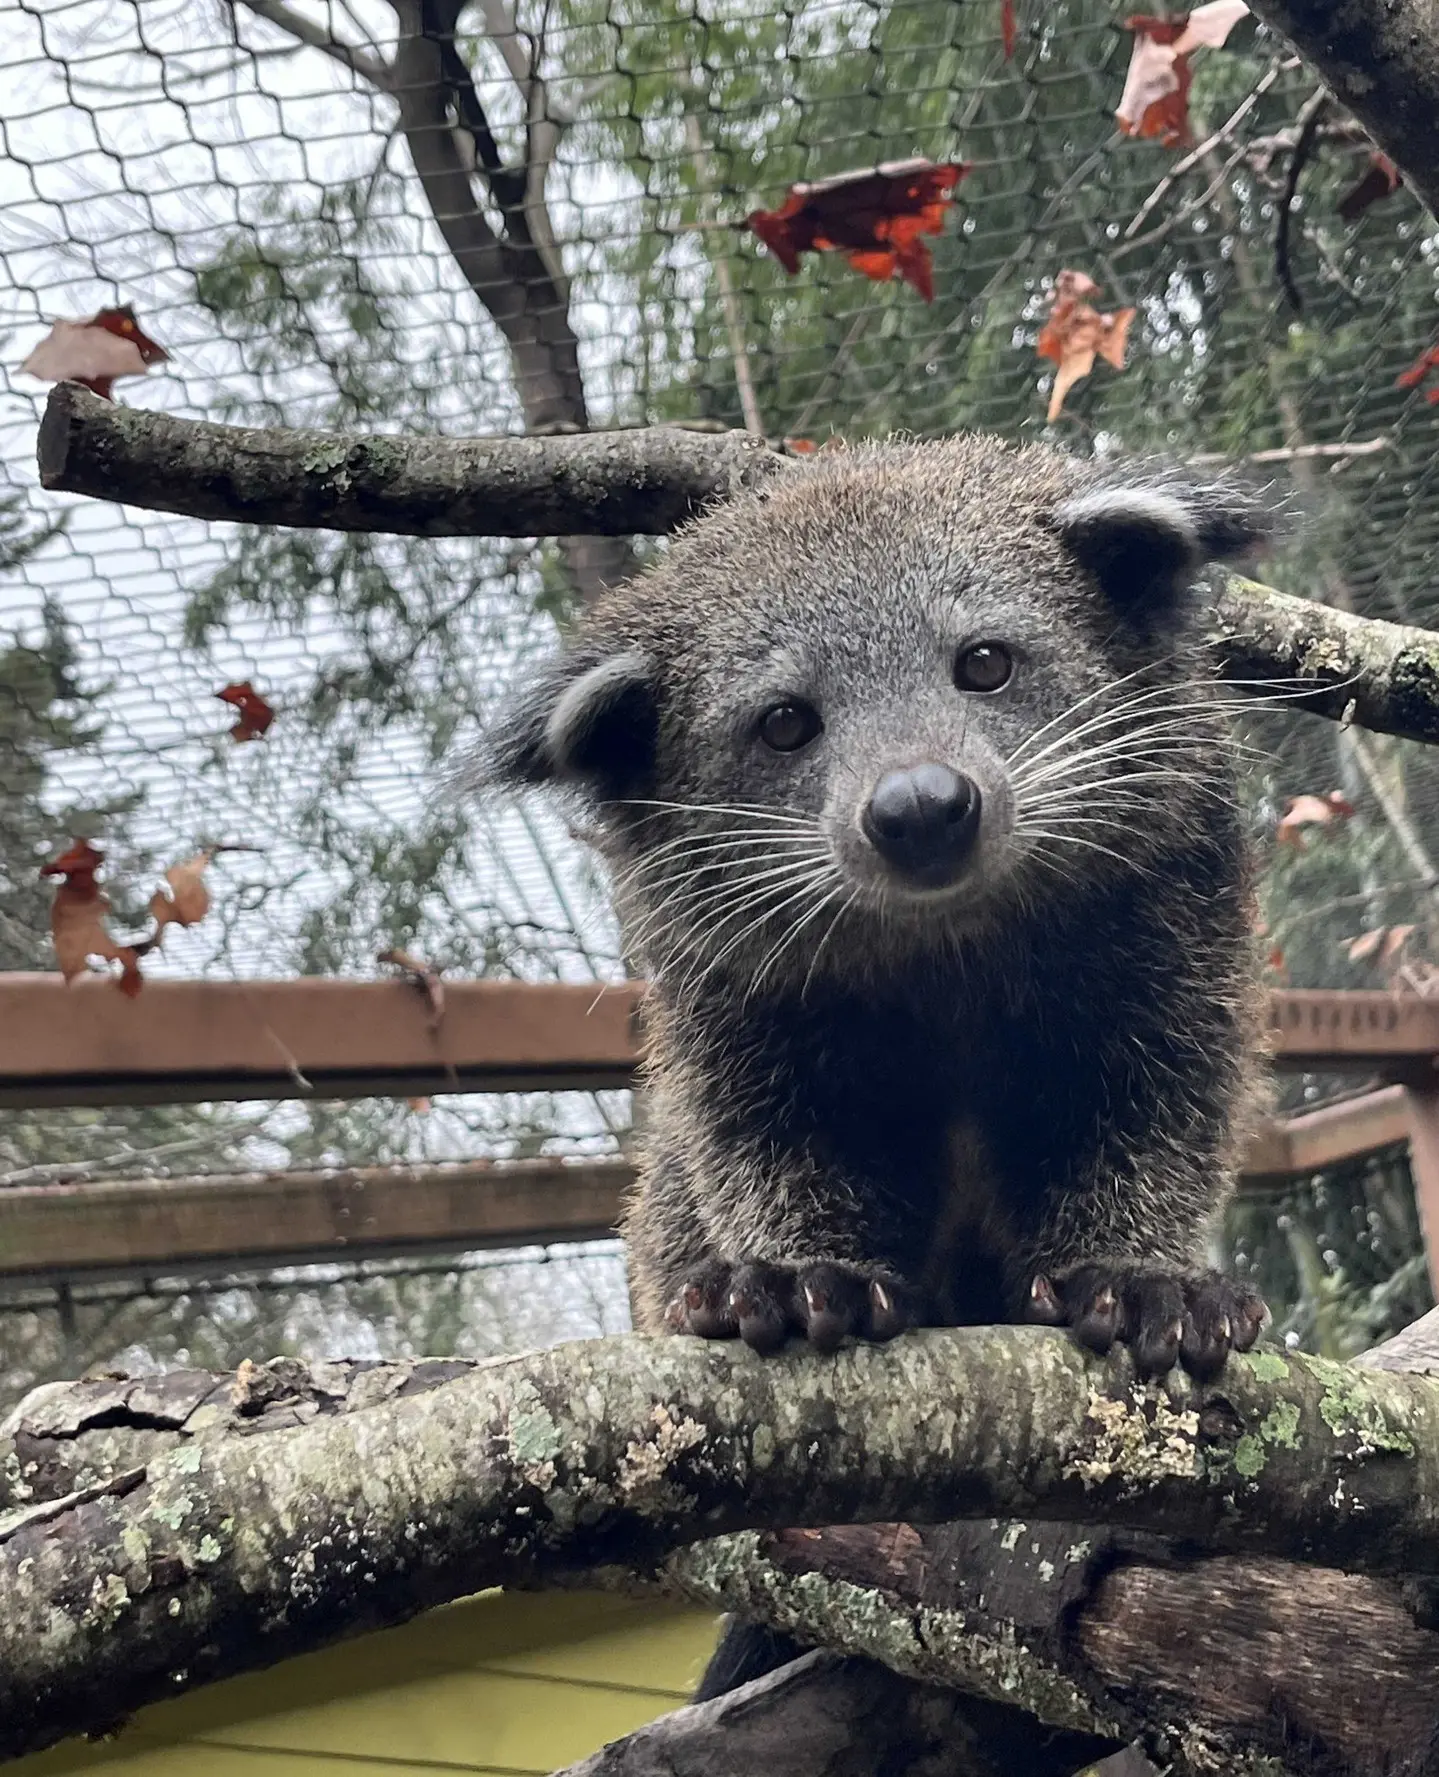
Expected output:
(1384, 676)
(205, 1551)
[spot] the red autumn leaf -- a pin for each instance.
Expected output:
(1275, 961)
(1411, 378)
(254, 713)
(1311, 811)
(77, 919)
(96, 352)
(1008, 29)
(1076, 333)
(801, 447)
(1155, 100)
(1380, 179)
(875, 218)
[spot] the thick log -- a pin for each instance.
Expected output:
(1102, 1630)
(204, 1552)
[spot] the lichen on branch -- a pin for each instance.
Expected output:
(215, 1552)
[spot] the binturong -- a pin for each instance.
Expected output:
(915, 785)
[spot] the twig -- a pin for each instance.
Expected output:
(1295, 453)
(423, 975)
(1222, 134)
(1186, 210)
(1310, 117)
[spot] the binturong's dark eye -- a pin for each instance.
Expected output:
(789, 726)
(987, 666)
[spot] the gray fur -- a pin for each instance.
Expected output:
(861, 1087)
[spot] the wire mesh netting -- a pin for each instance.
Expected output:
(413, 216)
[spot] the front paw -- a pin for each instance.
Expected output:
(819, 1300)
(1164, 1316)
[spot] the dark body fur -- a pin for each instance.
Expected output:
(874, 1101)
(874, 1104)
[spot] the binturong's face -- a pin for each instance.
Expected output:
(916, 687)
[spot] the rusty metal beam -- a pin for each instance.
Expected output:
(125, 1227)
(198, 1224)
(186, 1041)
(183, 1041)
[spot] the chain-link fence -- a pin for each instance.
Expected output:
(406, 215)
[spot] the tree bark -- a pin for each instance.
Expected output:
(606, 483)
(1381, 59)
(516, 270)
(207, 1550)
(1383, 676)
(1214, 1664)
(825, 1716)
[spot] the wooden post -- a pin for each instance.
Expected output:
(1423, 1101)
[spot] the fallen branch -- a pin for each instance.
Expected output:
(206, 1553)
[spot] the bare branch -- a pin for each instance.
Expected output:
(1222, 135)
(1311, 116)
(1385, 676)
(1382, 676)
(1298, 453)
(369, 68)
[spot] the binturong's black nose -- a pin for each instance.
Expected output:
(923, 822)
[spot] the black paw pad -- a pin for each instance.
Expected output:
(1164, 1316)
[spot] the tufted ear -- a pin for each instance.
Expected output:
(1147, 539)
(581, 720)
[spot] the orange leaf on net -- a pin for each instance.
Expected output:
(1155, 100)
(188, 899)
(1076, 333)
